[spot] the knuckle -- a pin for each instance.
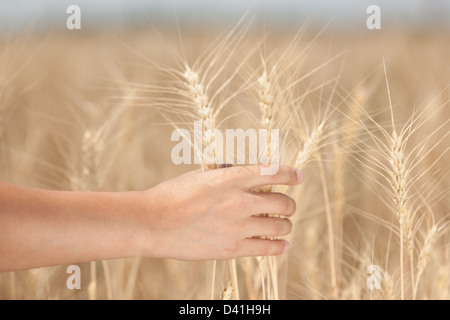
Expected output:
(225, 205)
(230, 247)
(225, 176)
(240, 201)
(272, 179)
(233, 248)
(238, 172)
(233, 202)
(242, 228)
(265, 248)
(281, 226)
(280, 174)
(278, 226)
(283, 204)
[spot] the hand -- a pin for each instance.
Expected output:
(212, 215)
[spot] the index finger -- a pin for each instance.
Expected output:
(252, 177)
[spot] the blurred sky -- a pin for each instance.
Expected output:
(344, 15)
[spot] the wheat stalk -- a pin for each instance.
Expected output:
(207, 108)
(444, 282)
(388, 286)
(399, 185)
(92, 287)
(399, 192)
(12, 286)
(252, 280)
(207, 115)
(340, 159)
(266, 104)
(227, 293)
(312, 143)
(425, 254)
(396, 167)
(262, 266)
(330, 229)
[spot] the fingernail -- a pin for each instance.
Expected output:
(300, 176)
(286, 247)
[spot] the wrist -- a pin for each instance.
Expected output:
(133, 237)
(111, 226)
(142, 237)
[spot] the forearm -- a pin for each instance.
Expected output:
(40, 228)
(196, 216)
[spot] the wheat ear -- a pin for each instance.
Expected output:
(310, 146)
(399, 182)
(266, 94)
(207, 114)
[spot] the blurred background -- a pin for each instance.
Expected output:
(113, 79)
(345, 15)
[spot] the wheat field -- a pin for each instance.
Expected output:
(365, 116)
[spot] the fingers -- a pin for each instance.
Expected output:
(268, 227)
(259, 247)
(252, 177)
(271, 203)
(264, 227)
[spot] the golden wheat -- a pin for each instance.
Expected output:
(376, 181)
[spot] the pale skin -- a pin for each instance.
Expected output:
(196, 216)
